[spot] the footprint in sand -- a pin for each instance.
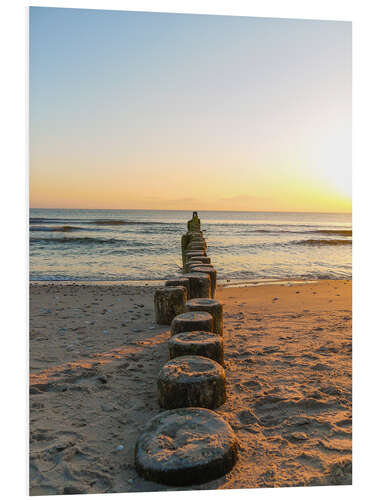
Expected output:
(346, 422)
(321, 367)
(310, 461)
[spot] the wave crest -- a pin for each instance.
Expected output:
(90, 241)
(323, 242)
(63, 229)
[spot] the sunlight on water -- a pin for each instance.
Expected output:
(133, 245)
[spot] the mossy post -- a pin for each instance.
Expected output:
(196, 236)
(168, 303)
(180, 281)
(186, 239)
(195, 253)
(194, 224)
(214, 307)
(184, 242)
(192, 321)
(191, 253)
(209, 269)
(190, 267)
(192, 241)
(191, 381)
(197, 343)
(200, 258)
(164, 451)
(197, 245)
(200, 284)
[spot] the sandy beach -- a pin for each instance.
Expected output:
(95, 353)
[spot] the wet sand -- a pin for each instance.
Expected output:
(95, 353)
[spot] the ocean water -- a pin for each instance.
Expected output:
(145, 245)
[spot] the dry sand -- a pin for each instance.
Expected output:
(95, 354)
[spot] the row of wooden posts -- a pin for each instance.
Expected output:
(192, 383)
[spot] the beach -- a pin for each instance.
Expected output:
(190, 196)
(95, 354)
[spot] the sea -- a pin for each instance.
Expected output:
(144, 246)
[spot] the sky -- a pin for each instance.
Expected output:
(192, 112)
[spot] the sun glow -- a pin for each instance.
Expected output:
(258, 117)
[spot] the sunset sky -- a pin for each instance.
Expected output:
(176, 111)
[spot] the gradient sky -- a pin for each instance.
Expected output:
(177, 111)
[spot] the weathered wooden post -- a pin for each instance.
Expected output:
(195, 253)
(214, 307)
(191, 253)
(197, 245)
(190, 267)
(169, 302)
(194, 224)
(199, 258)
(184, 242)
(192, 321)
(200, 284)
(173, 460)
(206, 268)
(179, 281)
(194, 377)
(191, 381)
(197, 343)
(189, 239)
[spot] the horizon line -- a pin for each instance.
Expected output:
(192, 210)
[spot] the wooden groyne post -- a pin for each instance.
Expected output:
(193, 381)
